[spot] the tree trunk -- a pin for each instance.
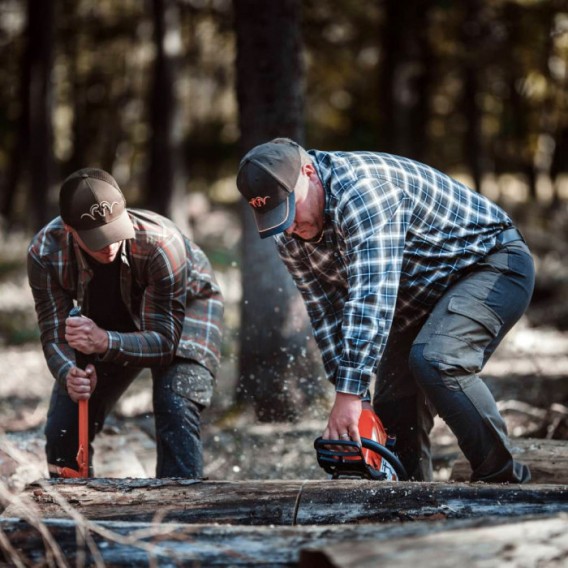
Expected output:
(274, 356)
(32, 150)
(282, 502)
(406, 78)
(164, 142)
(472, 46)
(138, 544)
(41, 31)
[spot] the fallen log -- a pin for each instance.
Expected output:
(280, 502)
(537, 389)
(531, 543)
(144, 544)
(547, 460)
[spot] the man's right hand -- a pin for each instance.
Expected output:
(81, 383)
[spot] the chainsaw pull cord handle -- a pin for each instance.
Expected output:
(83, 451)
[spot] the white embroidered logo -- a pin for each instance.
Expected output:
(101, 209)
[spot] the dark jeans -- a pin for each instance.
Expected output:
(433, 368)
(176, 415)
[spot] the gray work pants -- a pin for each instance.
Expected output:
(434, 367)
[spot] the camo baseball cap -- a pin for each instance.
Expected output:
(91, 202)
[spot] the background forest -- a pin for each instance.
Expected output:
(167, 95)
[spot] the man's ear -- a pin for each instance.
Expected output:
(308, 169)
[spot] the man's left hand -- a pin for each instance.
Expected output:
(84, 335)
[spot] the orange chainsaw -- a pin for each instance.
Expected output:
(375, 459)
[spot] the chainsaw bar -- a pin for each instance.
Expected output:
(344, 458)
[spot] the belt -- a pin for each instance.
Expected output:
(508, 236)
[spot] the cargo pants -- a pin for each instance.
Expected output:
(180, 392)
(433, 367)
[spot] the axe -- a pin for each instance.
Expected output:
(83, 452)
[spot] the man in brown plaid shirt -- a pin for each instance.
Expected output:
(148, 298)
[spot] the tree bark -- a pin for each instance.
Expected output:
(282, 502)
(138, 544)
(531, 543)
(275, 357)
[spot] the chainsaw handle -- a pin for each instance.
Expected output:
(350, 449)
(385, 453)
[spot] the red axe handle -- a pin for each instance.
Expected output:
(83, 453)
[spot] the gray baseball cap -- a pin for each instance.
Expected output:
(267, 177)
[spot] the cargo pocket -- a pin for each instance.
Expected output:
(458, 345)
(195, 382)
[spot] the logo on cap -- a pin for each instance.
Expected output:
(101, 209)
(257, 202)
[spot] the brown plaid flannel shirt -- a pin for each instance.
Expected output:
(167, 284)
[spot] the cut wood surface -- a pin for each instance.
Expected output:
(547, 459)
(282, 502)
(531, 543)
(173, 545)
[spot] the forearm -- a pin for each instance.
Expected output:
(141, 349)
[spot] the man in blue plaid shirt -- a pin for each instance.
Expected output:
(149, 299)
(410, 279)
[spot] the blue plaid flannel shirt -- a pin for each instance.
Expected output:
(397, 233)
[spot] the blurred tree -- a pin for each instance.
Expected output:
(40, 38)
(474, 31)
(553, 158)
(32, 155)
(165, 165)
(274, 332)
(406, 77)
(343, 54)
(517, 136)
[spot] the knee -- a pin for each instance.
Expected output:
(423, 370)
(431, 373)
(55, 431)
(434, 368)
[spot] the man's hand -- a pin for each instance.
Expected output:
(84, 335)
(343, 423)
(81, 383)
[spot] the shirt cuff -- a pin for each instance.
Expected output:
(114, 345)
(352, 381)
(62, 375)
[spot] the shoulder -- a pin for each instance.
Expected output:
(157, 240)
(50, 240)
(145, 221)
(152, 229)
